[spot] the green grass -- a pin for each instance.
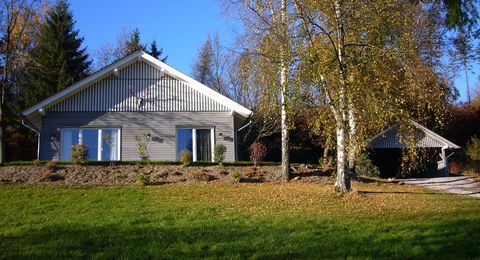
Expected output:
(293, 220)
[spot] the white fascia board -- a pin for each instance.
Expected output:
(436, 136)
(237, 108)
(69, 91)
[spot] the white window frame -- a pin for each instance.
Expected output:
(99, 135)
(194, 140)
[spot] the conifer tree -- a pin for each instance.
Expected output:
(155, 52)
(58, 59)
(134, 44)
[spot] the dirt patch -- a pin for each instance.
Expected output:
(157, 174)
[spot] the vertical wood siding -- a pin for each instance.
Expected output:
(159, 91)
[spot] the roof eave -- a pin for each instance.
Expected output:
(71, 90)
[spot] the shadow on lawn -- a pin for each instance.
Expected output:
(406, 192)
(285, 238)
(314, 173)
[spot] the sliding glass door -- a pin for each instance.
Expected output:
(198, 141)
(204, 145)
(103, 144)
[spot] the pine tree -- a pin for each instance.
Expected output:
(202, 68)
(134, 44)
(58, 59)
(462, 54)
(156, 53)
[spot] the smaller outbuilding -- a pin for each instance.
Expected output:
(388, 144)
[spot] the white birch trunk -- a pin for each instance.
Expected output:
(283, 84)
(342, 183)
(352, 138)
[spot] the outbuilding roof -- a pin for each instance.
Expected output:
(424, 138)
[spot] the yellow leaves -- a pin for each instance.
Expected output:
(308, 199)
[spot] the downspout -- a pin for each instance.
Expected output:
(241, 128)
(236, 135)
(38, 137)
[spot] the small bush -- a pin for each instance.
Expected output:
(473, 148)
(36, 162)
(48, 171)
(141, 142)
(236, 176)
(258, 151)
(142, 179)
(185, 157)
(325, 163)
(366, 167)
(219, 153)
(50, 167)
(79, 153)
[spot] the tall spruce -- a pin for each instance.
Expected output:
(58, 59)
(156, 53)
(462, 54)
(134, 44)
(202, 68)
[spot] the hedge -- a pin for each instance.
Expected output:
(143, 162)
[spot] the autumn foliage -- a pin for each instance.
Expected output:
(258, 151)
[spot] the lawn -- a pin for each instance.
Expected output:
(293, 220)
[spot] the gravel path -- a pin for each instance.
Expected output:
(464, 185)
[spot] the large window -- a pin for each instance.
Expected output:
(198, 141)
(103, 144)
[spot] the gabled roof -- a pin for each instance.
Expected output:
(139, 55)
(425, 138)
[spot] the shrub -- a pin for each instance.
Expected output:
(325, 162)
(258, 151)
(79, 153)
(219, 153)
(141, 142)
(473, 148)
(142, 179)
(185, 157)
(49, 169)
(236, 176)
(366, 167)
(36, 162)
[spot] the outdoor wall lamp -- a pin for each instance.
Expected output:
(53, 138)
(149, 136)
(220, 135)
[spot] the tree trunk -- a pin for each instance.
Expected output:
(326, 149)
(2, 106)
(283, 83)
(352, 138)
(466, 81)
(342, 183)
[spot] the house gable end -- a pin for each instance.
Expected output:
(139, 86)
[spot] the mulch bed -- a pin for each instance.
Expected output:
(157, 174)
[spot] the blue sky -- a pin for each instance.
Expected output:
(179, 26)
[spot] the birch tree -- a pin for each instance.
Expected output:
(268, 34)
(366, 60)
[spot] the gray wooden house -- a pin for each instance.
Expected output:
(136, 96)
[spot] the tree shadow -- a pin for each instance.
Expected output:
(141, 237)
